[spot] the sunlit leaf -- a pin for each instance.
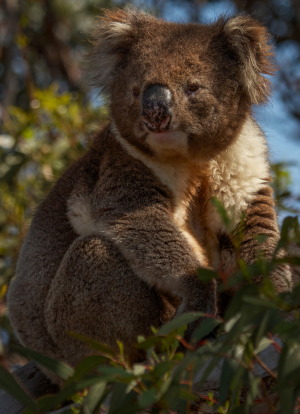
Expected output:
(93, 398)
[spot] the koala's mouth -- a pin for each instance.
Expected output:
(157, 125)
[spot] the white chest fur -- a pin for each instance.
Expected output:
(239, 172)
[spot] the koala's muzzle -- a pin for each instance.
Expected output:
(156, 102)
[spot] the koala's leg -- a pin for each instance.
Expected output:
(95, 293)
(26, 301)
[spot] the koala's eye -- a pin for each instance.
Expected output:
(192, 88)
(135, 92)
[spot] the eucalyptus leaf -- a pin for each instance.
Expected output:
(147, 398)
(94, 398)
(122, 402)
(179, 322)
(104, 349)
(49, 402)
(59, 368)
(87, 365)
(206, 327)
(229, 367)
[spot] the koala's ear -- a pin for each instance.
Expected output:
(112, 39)
(251, 43)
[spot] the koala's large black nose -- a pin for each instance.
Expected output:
(156, 102)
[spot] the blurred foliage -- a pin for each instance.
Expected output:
(35, 149)
(48, 118)
(170, 381)
(286, 200)
(41, 42)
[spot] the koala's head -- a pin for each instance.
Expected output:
(180, 89)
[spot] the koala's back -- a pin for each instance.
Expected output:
(46, 243)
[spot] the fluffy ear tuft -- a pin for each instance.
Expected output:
(112, 39)
(251, 42)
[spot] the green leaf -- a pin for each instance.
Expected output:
(61, 369)
(262, 344)
(206, 275)
(139, 369)
(164, 387)
(253, 386)
(123, 402)
(268, 320)
(236, 384)
(238, 410)
(116, 374)
(104, 349)
(178, 398)
(9, 384)
(214, 361)
(287, 401)
(162, 368)
(231, 322)
(94, 398)
(288, 363)
(87, 365)
(178, 322)
(49, 402)
(288, 224)
(228, 370)
(147, 398)
(259, 302)
(149, 342)
(206, 327)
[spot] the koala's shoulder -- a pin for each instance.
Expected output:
(110, 167)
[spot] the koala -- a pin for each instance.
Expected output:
(116, 246)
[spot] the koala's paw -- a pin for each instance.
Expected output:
(191, 340)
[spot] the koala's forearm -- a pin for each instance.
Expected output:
(261, 220)
(160, 254)
(154, 245)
